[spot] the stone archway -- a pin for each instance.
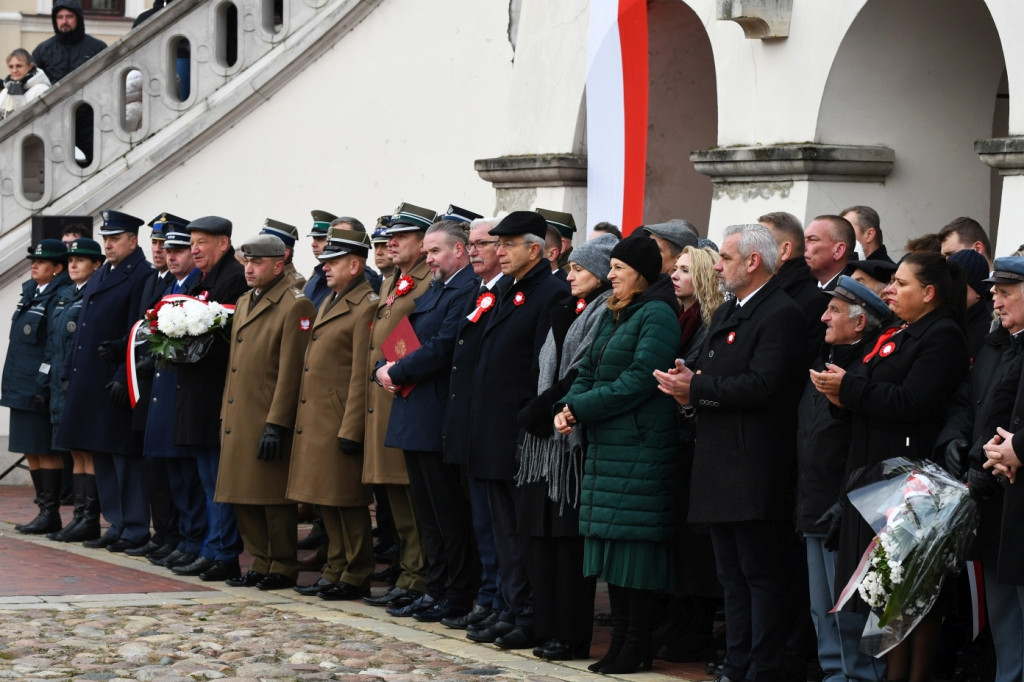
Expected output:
(682, 114)
(921, 77)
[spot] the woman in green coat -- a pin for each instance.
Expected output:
(627, 505)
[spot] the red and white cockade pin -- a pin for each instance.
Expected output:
(203, 295)
(304, 324)
(731, 337)
(519, 298)
(404, 285)
(887, 349)
(581, 305)
(484, 303)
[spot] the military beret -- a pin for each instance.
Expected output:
(263, 246)
(409, 218)
(1009, 270)
(115, 222)
(211, 224)
(49, 249)
(321, 223)
(852, 291)
(521, 222)
(283, 231)
(563, 222)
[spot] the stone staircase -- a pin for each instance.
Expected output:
(238, 52)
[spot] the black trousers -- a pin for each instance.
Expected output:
(445, 525)
(563, 600)
(513, 552)
(161, 502)
(752, 559)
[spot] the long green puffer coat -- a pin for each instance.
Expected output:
(631, 470)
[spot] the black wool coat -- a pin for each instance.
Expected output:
(751, 365)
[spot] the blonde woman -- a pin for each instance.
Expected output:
(696, 288)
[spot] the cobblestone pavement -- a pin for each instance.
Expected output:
(67, 612)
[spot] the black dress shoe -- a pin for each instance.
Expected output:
(101, 542)
(142, 550)
(385, 554)
(275, 581)
(440, 610)
(311, 590)
(472, 617)
(160, 553)
(249, 579)
(184, 559)
(558, 650)
(485, 622)
(519, 637)
(396, 596)
(167, 559)
(342, 591)
(492, 633)
(412, 608)
(123, 545)
(222, 569)
(389, 575)
(195, 568)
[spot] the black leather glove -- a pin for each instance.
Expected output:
(118, 392)
(109, 352)
(350, 447)
(41, 404)
(833, 516)
(536, 417)
(144, 365)
(954, 457)
(271, 444)
(981, 484)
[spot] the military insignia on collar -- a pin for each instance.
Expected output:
(581, 305)
(730, 338)
(304, 324)
(519, 298)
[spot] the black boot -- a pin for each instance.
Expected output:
(618, 601)
(638, 650)
(49, 504)
(34, 473)
(78, 488)
(89, 527)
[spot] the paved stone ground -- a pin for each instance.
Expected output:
(67, 612)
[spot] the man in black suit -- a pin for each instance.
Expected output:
(197, 409)
(742, 482)
(504, 379)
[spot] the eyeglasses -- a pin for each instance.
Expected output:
(509, 245)
(482, 243)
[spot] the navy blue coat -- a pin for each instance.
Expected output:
(26, 350)
(63, 324)
(416, 421)
(316, 288)
(505, 375)
(110, 303)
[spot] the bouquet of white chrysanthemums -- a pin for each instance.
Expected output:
(181, 328)
(924, 520)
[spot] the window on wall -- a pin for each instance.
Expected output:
(107, 7)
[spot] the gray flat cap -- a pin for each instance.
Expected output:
(680, 232)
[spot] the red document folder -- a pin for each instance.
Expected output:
(400, 342)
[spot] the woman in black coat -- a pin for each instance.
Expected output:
(898, 398)
(26, 391)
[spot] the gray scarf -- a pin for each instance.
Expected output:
(558, 459)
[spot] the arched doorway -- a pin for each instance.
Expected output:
(923, 78)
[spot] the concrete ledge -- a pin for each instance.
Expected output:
(792, 162)
(534, 170)
(758, 18)
(1005, 154)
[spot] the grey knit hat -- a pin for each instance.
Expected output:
(595, 255)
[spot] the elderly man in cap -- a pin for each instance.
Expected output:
(853, 317)
(288, 234)
(382, 465)
(672, 237)
(505, 373)
(25, 391)
(744, 390)
(269, 334)
(327, 447)
(416, 424)
(316, 289)
(97, 417)
(201, 386)
(178, 464)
